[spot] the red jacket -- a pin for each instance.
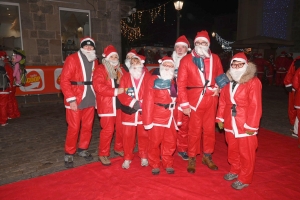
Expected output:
(260, 64)
(73, 70)
(296, 86)
(190, 76)
(288, 79)
(106, 92)
(247, 98)
(153, 114)
(282, 64)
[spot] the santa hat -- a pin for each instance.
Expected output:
(166, 59)
(109, 50)
(87, 41)
(202, 35)
(182, 40)
(132, 51)
(259, 55)
(140, 57)
(239, 57)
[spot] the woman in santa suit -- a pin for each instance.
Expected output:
(106, 82)
(134, 84)
(239, 113)
(160, 115)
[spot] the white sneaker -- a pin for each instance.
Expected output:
(126, 164)
(144, 162)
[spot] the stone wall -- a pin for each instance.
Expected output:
(41, 27)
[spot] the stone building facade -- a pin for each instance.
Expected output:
(41, 33)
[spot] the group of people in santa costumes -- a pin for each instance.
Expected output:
(8, 103)
(173, 108)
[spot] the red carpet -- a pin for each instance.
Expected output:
(277, 176)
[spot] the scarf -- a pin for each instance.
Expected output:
(112, 73)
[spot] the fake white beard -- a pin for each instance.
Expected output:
(127, 62)
(166, 74)
(112, 63)
(202, 51)
(237, 73)
(90, 55)
(177, 59)
(136, 71)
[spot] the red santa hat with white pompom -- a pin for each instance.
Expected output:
(132, 51)
(240, 57)
(182, 40)
(109, 50)
(202, 35)
(166, 59)
(140, 57)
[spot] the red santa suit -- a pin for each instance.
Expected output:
(74, 85)
(296, 86)
(182, 136)
(159, 117)
(260, 63)
(195, 93)
(282, 65)
(240, 108)
(108, 109)
(4, 94)
(132, 123)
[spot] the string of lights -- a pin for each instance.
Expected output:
(131, 33)
(224, 43)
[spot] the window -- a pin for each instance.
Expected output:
(10, 27)
(74, 25)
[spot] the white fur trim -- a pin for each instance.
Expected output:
(70, 99)
(201, 38)
(221, 119)
(160, 61)
(132, 103)
(148, 127)
(112, 54)
(251, 128)
(184, 104)
(135, 56)
(239, 59)
(116, 92)
(289, 85)
(182, 43)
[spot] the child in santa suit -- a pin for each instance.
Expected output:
(159, 117)
(134, 84)
(106, 82)
(239, 113)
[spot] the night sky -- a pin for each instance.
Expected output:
(196, 15)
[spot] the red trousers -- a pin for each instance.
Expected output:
(129, 133)
(182, 134)
(241, 156)
(13, 109)
(292, 113)
(202, 125)
(280, 77)
(162, 145)
(80, 120)
(108, 125)
(298, 116)
(3, 108)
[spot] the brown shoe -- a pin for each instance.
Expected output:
(119, 153)
(192, 165)
(104, 160)
(207, 160)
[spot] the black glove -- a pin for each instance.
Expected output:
(136, 105)
(289, 88)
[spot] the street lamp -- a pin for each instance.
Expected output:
(178, 6)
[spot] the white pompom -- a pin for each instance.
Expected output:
(160, 61)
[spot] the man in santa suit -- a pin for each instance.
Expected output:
(134, 84)
(260, 63)
(4, 93)
(282, 65)
(76, 85)
(239, 113)
(181, 48)
(159, 116)
(296, 86)
(198, 95)
(288, 82)
(106, 82)
(129, 55)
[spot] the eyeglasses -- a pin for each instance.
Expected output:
(239, 65)
(201, 43)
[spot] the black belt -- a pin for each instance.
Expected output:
(233, 110)
(81, 83)
(166, 106)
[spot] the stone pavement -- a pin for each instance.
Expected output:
(33, 145)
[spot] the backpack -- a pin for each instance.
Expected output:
(23, 74)
(4, 81)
